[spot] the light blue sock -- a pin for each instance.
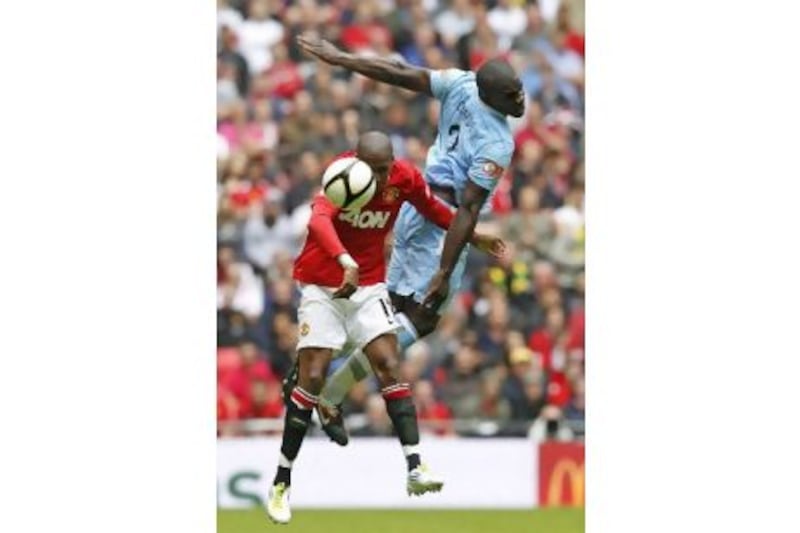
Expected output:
(407, 335)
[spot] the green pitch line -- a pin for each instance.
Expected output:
(407, 521)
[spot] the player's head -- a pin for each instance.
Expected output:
(500, 88)
(375, 149)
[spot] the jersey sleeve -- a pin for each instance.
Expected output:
(444, 80)
(426, 203)
(320, 226)
(489, 165)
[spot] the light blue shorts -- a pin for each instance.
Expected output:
(417, 252)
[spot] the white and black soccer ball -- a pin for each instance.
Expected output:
(348, 183)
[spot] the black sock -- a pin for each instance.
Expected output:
(296, 423)
(284, 475)
(403, 414)
(412, 461)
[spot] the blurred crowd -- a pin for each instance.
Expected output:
(508, 357)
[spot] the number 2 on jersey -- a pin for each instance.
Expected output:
(453, 134)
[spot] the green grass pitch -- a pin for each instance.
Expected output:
(406, 521)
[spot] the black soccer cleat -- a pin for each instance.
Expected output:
(333, 423)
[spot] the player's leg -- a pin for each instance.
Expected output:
(322, 331)
(312, 368)
(356, 366)
(415, 256)
(415, 259)
(384, 360)
(408, 244)
(373, 328)
(427, 258)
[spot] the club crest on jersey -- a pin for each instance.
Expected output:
(304, 329)
(493, 169)
(391, 194)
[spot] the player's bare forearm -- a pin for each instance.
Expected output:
(381, 69)
(457, 237)
(389, 71)
(463, 226)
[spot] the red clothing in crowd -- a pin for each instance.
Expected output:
(284, 79)
(501, 200)
(267, 409)
(441, 417)
(543, 343)
(577, 42)
(332, 232)
(247, 194)
(361, 36)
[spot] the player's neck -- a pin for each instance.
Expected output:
(491, 109)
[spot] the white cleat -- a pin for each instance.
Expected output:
(422, 480)
(278, 504)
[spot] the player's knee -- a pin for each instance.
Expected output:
(312, 374)
(425, 321)
(316, 378)
(387, 369)
(399, 302)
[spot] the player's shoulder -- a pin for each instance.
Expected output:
(452, 74)
(450, 80)
(499, 150)
(403, 172)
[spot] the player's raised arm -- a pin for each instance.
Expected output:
(320, 227)
(389, 71)
(459, 233)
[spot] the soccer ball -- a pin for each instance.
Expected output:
(348, 183)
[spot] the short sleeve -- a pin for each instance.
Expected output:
(490, 164)
(444, 80)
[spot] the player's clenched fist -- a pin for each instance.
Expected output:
(350, 280)
(438, 291)
(489, 244)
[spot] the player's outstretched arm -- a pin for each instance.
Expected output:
(458, 235)
(382, 69)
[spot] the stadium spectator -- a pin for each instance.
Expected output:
(462, 389)
(258, 34)
(267, 230)
(524, 387)
(507, 19)
(434, 415)
(377, 422)
(229, 54)
(455, 22)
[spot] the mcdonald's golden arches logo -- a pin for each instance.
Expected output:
(566, 486)
(561, 474)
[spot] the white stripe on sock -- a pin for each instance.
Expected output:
(409, 449)
(284, 462)
(305, 394)
(397, 386)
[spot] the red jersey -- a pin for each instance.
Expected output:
(332, 232)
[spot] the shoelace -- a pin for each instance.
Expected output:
(280, 489)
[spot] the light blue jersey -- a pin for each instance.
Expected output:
(473, 143)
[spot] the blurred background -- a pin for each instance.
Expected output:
(508, 357)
